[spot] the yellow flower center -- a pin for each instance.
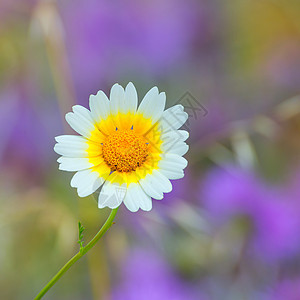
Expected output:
(124, 151)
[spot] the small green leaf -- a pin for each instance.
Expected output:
(80, 235)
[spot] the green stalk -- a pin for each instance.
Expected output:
(76, 257)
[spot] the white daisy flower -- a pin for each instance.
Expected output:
(131, 151)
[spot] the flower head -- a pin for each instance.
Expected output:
(132, 151)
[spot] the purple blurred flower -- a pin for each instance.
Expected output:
(236, 193)
(287, 290)
(106, 39)
(26, 131)
(147, 276)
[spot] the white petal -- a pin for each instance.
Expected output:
(153, 105)
(147, 100)
(131, 98)
(99, 105)
(75, 151)
(117, 99)
(81, 121)
(112, 193)
(173, 142)
(71, 146)
(70, 139)
(184, 134)
(161, 181)
(179, 148)
(173, 160)
(131, 201)
(155, 184)
(136, 198)
(80, 124)
(175, 135)
(172, 165)
(172, 174)
(147, 185)
(86, 182)
(74, 164)
(173, 118)
(84, 112)
(145, 200)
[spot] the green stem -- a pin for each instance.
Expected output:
(76, 257)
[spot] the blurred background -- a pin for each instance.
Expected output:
(230, 229)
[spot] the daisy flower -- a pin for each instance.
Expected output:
(131, 152)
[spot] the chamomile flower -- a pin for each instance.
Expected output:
(130, 151)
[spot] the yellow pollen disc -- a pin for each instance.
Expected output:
(124, 151)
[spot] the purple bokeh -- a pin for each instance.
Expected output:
(146, 275)
(288, 289)
(232, 193)
(111, 38)
(27, 134)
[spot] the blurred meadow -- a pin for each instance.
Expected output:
(230, 229)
